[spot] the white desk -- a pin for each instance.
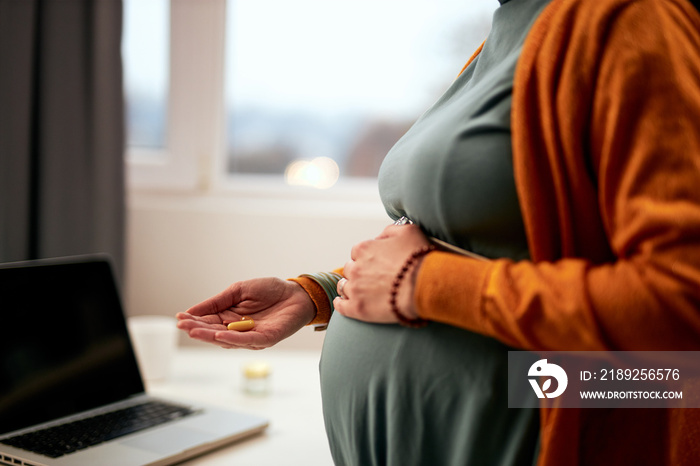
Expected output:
(296, 434)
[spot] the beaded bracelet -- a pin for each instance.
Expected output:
(403, 320)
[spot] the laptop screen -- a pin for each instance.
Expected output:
(64, 346)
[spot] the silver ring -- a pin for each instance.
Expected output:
(403, 221)
(341, 286)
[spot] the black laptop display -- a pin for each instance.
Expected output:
(60, 341)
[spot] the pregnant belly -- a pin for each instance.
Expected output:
(436, 395)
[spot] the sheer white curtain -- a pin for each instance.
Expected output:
(61, 129)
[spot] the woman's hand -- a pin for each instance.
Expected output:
(371, 272)
(278, 307)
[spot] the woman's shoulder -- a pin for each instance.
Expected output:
(625, 29)
(577, 15)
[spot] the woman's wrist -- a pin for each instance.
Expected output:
(408, 315)
(321, 288)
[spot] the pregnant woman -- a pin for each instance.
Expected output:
(567, 155)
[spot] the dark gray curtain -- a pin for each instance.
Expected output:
(61, 129)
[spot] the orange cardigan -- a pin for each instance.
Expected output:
(606, 153)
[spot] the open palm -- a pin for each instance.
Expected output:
(279, 308)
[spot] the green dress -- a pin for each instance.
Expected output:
(438, 395)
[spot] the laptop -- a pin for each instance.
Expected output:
(67, 368)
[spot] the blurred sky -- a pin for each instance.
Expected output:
(385, 56)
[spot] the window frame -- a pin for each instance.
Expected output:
(193, 159)
(195, 98)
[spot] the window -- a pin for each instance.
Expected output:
(317, 89)
(194, 61)
(146, 72)
(307, 91)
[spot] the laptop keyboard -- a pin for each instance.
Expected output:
(66, 438)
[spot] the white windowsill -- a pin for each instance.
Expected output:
(269, 196)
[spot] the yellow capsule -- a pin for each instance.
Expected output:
(242, 325)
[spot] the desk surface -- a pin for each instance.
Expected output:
(296, 434)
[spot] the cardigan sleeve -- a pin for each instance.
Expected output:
(321, 294)
(640, 133)
(318, 297)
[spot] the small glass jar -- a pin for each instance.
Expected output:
(256, 378)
